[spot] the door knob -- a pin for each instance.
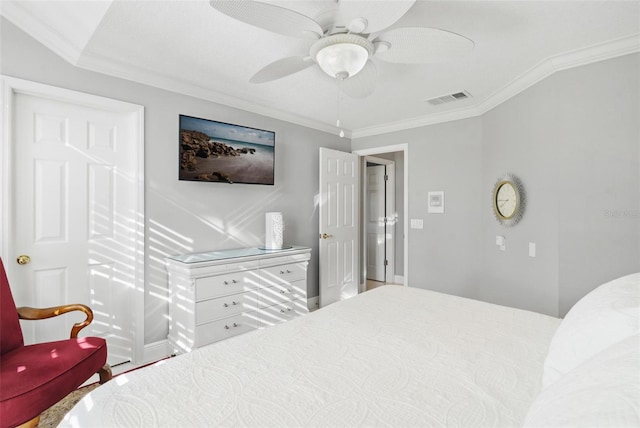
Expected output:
(325, 236)
(23, 259)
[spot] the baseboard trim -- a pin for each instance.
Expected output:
(398, 279)
(156, 351)
(313, 303)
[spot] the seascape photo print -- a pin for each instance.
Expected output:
(226, 153)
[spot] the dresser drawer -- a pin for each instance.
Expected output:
(283, 274)
(222, 307)
(282, 293)
(276, 314)
(223, 285)
(225, 328)
(220, 294)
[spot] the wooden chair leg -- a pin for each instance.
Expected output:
(105, 374)
(31, 424)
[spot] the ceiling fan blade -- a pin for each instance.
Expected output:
(418, 45)
(377, 15)
(281, 68)
(362, 84)
(269, 17)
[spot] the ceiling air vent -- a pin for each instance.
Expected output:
(462, 95)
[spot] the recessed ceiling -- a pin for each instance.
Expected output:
(188, 47)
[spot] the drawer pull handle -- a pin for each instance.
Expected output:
(226, 327)
(282, 272)
(232, 281)
(283, 311)
(285, 290)
(234, 303)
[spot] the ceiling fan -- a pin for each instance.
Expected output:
(347, 36)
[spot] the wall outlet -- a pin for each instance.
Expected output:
(417, 223)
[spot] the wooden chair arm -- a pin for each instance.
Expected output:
(26, 313)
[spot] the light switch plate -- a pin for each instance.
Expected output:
(532, 249)
(417, 223)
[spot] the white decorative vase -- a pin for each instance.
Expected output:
(274, 231)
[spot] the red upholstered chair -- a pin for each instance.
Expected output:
(34, 377)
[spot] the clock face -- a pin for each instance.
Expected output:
(506, 200)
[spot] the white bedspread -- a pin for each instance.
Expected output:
(393, 356)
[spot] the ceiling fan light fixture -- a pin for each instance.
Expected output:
(342, 55)
(342, 58)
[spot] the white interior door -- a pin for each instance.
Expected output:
(339, 258)
(73, 211)
(375, 222)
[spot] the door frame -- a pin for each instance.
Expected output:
(390, 206)
(340, 176)
(404, 147)
(12, 86)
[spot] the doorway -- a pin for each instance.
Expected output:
(342, 269)
(73, 201)
(380, 218)
(394, 157)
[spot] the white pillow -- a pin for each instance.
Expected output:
(603, 317)
(602, 392)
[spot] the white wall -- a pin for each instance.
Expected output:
(183, 216)
(574, 141)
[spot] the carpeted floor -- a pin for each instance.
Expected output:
(51, 417)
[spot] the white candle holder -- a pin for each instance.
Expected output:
(274, 231)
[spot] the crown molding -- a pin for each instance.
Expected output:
(544, 69)
(71, 50)
(93, 62)
(67, 44)
(417, 122)
(565, 61)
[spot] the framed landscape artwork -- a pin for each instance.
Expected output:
(222, 152)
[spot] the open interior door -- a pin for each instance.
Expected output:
(339, 213)
(376, 222)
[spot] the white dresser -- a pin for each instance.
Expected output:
(220, 294)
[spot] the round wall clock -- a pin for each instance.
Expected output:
(508, 200)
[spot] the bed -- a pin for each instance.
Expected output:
(402, 357)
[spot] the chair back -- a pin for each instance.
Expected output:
(10, 331)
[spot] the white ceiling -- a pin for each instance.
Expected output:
(188, 47)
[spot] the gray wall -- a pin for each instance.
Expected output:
(574, 141)
(599, 202)
(186, 216)
(446, 254)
